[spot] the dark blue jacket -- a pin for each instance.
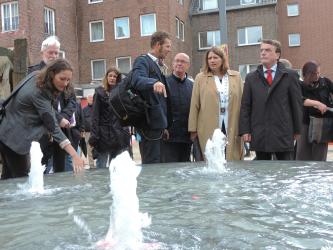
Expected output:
(145, 74)
(180, 99)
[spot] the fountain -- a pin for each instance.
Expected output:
(215, 153)
(254, 205)
(35, 184)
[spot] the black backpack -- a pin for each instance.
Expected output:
(130, 108)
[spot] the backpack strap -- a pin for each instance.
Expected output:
(27, 79)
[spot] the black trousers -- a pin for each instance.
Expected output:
(150, 146)
(175, 151)
(14, 165)
(281, 156)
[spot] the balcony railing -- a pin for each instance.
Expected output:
(198, 6)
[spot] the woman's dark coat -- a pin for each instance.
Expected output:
(107, 135)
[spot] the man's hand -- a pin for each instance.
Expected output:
(321, 107)
(160, 89)
(193, 135)
(246, 137)
(166, 135)
(64, 123)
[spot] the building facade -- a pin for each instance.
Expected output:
(96, 34)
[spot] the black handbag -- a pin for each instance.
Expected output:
(320, 129)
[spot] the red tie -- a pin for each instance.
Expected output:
(269, 76)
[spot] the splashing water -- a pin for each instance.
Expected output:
(125, 220)
(215, 153)
(35, 182)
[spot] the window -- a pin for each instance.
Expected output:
(209, 39)
(98, 69)
(208, 4)
(148, 24)
(292, 10)
(94, 1)
(181, 2)
(96, 31)
(247, 2)
(180, 29)
(121, 28)
(62, 54)
(9, 16)
(123, 64)
(249, 35)
(244, 69)
(49, 22)
(294, 40)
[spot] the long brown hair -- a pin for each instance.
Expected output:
(106, 85)
(309, 71)
(46, 75)
(219, 52)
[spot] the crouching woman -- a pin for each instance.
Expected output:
(29, 115)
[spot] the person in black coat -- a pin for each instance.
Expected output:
(317, 94)
(271, 108)
(149, 80)
(107, 136)
(87, 116)
(176, 146)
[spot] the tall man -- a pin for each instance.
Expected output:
(149, 80)
(176, 147)
(271, 109)
(65, 106)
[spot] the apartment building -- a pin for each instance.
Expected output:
(248, 22)
(96, 34)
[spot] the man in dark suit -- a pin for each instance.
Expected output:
(271, 109)
(149, 80)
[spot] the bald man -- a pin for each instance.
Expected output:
(176, 146)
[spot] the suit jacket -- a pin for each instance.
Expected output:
(29, 115)
(145, 74)
(205, 111)
(271, 114)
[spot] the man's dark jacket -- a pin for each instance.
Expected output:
(180, 99)
(271, 114)
(145, 74)
(87, 115)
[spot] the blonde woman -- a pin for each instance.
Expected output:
(215, 103)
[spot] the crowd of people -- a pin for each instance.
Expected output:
(270, 111)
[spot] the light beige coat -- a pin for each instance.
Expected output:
(204, 112)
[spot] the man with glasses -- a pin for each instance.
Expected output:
(176, 144)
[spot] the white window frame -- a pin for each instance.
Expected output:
(115, 28)
(242, 2)
(49, 13)
(181, 2)
(246, 36)
(202, 5)
(289, 13)
(92, 68)
(289, 40)
(214, 32)
(154, 14)
(90, 33)
(62, 54)
(180, 23)
(247, 68)
(93, 2)
(124, 57)
(11, 28)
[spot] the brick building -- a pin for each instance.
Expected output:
(305, 30)
(96, 34)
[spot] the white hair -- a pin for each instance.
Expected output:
(50, 41)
